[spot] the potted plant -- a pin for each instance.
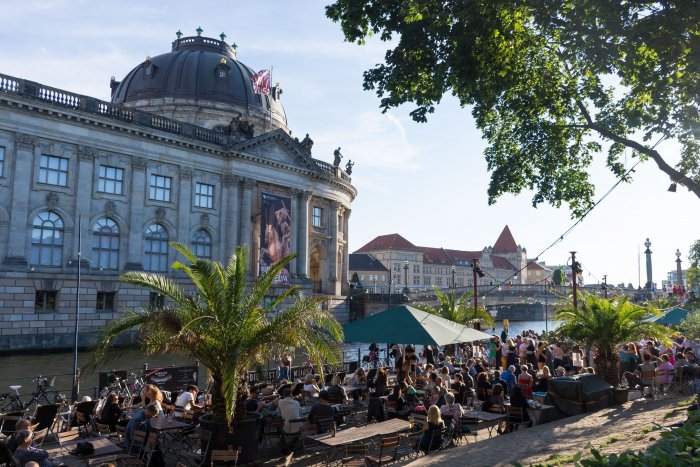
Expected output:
(230, 326)
(604, 325)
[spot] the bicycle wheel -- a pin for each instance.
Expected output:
(11, 404)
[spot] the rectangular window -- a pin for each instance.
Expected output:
(460, 282)
(45, 300)
(416, 280)
(204, 195)
(156, 300)
(160, 188)
(416, 269)
(426, 280)
(2, 161)
(105, 301)
(111, 180)
(438, 280)
(53, 170)
(317, 217)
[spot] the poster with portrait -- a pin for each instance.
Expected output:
(275, 233)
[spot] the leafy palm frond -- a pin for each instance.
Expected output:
(229, 325)
(457, 309)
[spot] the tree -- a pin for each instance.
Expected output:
(544, 79)
(457, 309)
(603, 325)
(559, 277)
(226, 325)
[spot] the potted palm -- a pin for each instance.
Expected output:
(604, 325)
(457, 308)
(230, 326)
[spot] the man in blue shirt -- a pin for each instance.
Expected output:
(509, 377)
(139, 421)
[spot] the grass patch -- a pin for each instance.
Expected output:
(668, 415)
(557, 459)
(687, 402)
(646, 429)
(608, 441)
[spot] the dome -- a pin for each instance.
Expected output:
(198, 71)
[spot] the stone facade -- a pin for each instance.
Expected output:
(138, 180)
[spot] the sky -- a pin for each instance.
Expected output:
(425, 181)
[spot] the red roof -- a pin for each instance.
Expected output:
(463, 256)
(501, 263)
(534, 265)
(435, 255)
(505, 242)
(388, 242)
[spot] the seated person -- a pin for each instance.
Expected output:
(140, 422)
(336, 392)
(459, 389)
(403, 409)
(664, 371)
(542, 379)
(451, 410)
(482, 385)
(430, 440)
(310, 385)
(111, 412)
(497, 379)
(25, 453)
(254, 404)
(635, 379)
(290, 409)
(188, 399)
(21, 425)
(517, 399)
(495, 402)
(322, 410)
(509, 377)
(358, 381)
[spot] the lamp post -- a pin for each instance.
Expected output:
(477, 272)
(454, 286)
(605, 285)
(647, 252)
(574, 277)
(679, 270)
(374, 287)
(405, 277)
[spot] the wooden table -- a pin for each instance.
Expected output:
(103, 447)
(490, 419)
(160, 424)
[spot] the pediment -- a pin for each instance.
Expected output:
(277, 146)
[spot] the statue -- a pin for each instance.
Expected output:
(306, 144)
(338, 157)
(238, 125)
(348, 167)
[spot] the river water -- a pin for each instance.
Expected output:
(22, 369)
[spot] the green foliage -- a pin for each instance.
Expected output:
(543, 80)
(355, 278)
(690, 326)
(559, 277)
(227, 325)
(604, 325)
(457, 309)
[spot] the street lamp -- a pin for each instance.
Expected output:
(647, 252)
(679, 271)
(477, 271)
(74, 389)
(405, 277)
(453, 277)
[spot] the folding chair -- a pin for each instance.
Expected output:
(64, 437)
(39, 437)
(468, 427)
(199, 442)
(10, 421)
(324, 424)
(138, 439)
(515, 417)
(680, 384)
(46, 416)
(145, 454)
(273, 429)
(436, 440)
(388, 449)
(648, 378)
(354, 455)
(308, 445)
(225, 457)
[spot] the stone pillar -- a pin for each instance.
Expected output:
(19, 205)
(303, 259)
(184, 209)
(294, 265)
(136, 203)
(332, 257)
(84, 182)
(346, 250)
(244, 235)
(230, 220)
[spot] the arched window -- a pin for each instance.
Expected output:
(201, 244)
(105, 244)
(47, 239)
(156, 248)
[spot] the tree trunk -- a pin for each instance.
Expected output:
(607, 368)
(218, 402)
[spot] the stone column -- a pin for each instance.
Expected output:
(244, 235)
(136, 206)
(294, 265)
(346, 251)
(19, 205)
(230, 216)
(303, 259)
(332, 258)
(184, 209)
(84, 181)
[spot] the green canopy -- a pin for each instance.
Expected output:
(672, 317)
(407, 325)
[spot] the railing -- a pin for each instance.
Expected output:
(32, 90)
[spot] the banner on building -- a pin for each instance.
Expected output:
(275, 233)
(172, 378)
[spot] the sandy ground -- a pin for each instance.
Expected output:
(617, 429)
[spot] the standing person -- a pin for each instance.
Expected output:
(492, 351)
(397, 355)
(557, 355)
(285, 363)
(530, 356)
(511, 353)
(522, 351)
(429, 355)
(499, 353)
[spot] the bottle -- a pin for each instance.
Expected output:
(333, 430)
(410, 422)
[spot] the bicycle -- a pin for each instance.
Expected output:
(13, 402)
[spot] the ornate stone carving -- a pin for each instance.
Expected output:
(238, 125)
(139, 163)
(22, 139)
(86, 153)
(204, 220)
(185, 173)
(231, 181)
(110, 209)
(160, 214)
(52, 200)
(296, 192)
(306, 195)
(248, 182)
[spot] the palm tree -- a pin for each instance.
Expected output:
(226, 324)
(457, 309)
(604, 325)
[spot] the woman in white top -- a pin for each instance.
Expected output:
(310, 385)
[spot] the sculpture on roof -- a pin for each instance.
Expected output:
(338, 157)
(306, 144)
(238, 125)
(348, 167)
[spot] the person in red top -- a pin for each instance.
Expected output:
(525, 380)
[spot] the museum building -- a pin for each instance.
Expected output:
(185, 151)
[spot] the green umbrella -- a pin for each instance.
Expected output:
(673, 317)
(407, 325)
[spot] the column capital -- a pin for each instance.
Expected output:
(139, 163)
(28, 141)
(231, 181)
(186, 173)
(296, 192)
(248, 182)
(86, 153)
(306, 195)
(336, 205)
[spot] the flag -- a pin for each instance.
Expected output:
(261, 82)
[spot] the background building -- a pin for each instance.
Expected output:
(186, 151)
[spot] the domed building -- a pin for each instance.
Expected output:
(186, 151)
